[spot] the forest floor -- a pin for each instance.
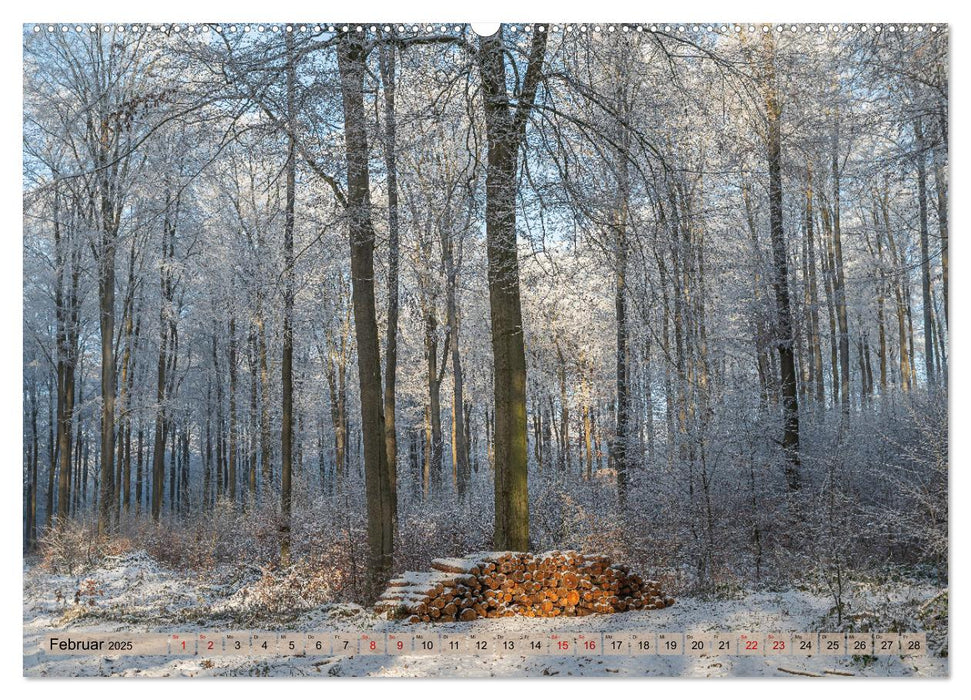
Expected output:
(133, 593)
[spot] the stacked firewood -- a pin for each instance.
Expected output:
(504, 584)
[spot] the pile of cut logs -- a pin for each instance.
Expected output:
(504, 584)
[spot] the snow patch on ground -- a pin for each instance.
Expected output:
(133, 593)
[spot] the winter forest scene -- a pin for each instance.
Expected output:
(398, 328)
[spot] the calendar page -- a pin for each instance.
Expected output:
(455, 350)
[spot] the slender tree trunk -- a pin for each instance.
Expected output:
(505, 133)
(233, 436)
(564, 450)
(621, 216)
(587, 418)
(127, 333)
(537, 415)
(882, 336)
(33, 459)
(435, 447)
(828, 265)
(65, 436)
(139, 475)
(266, 460)
(185, 476)
(220, 441)
(649, 403)
(66, 315)
(351, 60)
(839, 279)
(254, 419)
(165, 324)
(129, 417)
(760, 331)
(790, 400)
(940, 185)
(925, 264)
(940, 342)
(882, 290)
(207, 498)
(286, 365)
(460, 450)
(79, 443)
(172, 416)
(173, 433)
(106, 316)
(817, 352)
(337, 421)
(386, 56)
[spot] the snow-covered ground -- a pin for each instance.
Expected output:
(133, 593)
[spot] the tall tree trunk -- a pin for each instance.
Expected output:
(940, 341)
(817, 352)
(505, 132)
(899, 289)
(165, 323)
(621, 216)
(286, 365)
(254, 419)
(538, 426)
(130, 388)
(233, 436)
(940, 185)
(66, 312)
(206, 449)
(351, 58)
(649, 402)
(925, 263)
(563, 431)
(434, 454)
(65, 413)
(220, 438)
(827, 258)
(760, 331)
(338, 420)
(173, 433)
(386, 55)
(790, 400)
(460, 449)
(106, 317)
(882, 335)
(127, 332)
(839, 279)
(34, 460)
(587, 418)
(266, 460)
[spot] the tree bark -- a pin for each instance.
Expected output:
(351, 56)
(386, 56)
(286, 364)
(233, 431)
(460, 449)
(839, 279)
(817, 352)
(621, 217)
(941, 187)
(433, 457)
(505, 132)
(925, 264)
(166, 311)
(67, 311)
(899, 290)
(784, 341)
(266, 448)
(106, 317)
